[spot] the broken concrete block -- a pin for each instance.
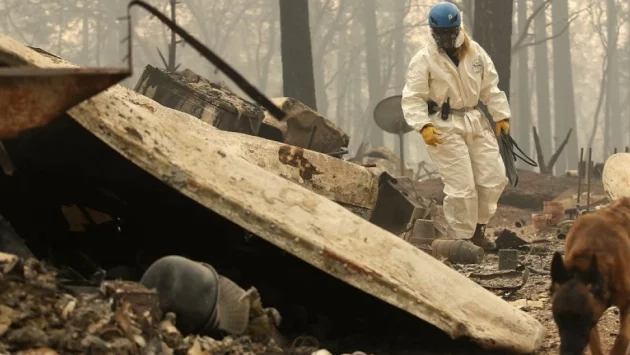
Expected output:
(306, 128)
(508, 259)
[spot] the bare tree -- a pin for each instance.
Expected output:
(524, 97)
(493, 31)
(541, 60)
(400, 9)
(597, 12)
(614, 135)
(325, 29)
(170, 65)
(297, 58)
(563, 91)
(373, 65)
(527, 39)
(544, 166)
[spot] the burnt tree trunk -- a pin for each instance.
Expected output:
(85, 32)
(627, 98)
(614, 135)
(563, 91)
(297, 53)
(172, 48)
(400, 8)
(373, 67)
(524, 116)
(342, 85)
(400, 69)
(468, 6)
(541, 60)
(493, 31)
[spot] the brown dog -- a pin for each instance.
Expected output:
(594, 275)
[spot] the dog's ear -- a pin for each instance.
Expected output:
(593, 276)
(559, 273)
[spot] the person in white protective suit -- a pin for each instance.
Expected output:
(449, 76)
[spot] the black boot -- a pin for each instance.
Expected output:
(480, 240)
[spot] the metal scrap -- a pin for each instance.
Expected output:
(188, 92)
(32, 97)
(508, 239)
(306, 128)
(524, 278)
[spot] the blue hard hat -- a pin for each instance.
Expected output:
(444, 14)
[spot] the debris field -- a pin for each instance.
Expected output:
(343, 250)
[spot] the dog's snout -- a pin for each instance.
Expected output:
(572, 351)
(573, 348)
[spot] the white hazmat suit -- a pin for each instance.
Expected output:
(468, 160)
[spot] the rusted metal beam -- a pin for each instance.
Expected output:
(32, 97)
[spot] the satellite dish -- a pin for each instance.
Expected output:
(389, 117)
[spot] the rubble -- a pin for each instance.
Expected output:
(350, 185)
(530, 193)
(213, 103)
(205, 168)
(40, 315)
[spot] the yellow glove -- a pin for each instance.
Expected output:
(502, 126)
(429, 135)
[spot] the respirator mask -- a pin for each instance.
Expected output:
(448, 37)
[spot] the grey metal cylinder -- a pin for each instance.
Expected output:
(187, 288)
(458, 251)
